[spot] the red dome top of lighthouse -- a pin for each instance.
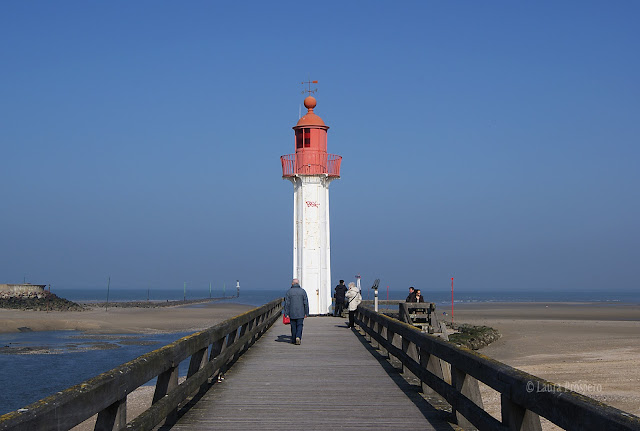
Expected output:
(310, 118)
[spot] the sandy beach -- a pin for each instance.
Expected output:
(123, 320)
(591, 348)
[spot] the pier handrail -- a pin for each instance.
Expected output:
(210, 350)
(453, 372)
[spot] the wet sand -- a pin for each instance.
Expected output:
(591, 348)
(122, 320)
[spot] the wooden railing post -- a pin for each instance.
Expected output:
(392, 340)
(217, 347)
(376, 329)
(166, 382)
(433, 365)
(410, 349)
(382, 331)
(231, 338)
(243, 330)
(517, 418)
(198, 360)
(467, 386)
(252, 323)
(114, 417)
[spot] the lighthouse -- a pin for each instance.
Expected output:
(311, 169)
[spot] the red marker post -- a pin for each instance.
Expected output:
(452, 300)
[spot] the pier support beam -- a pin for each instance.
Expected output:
(517, 418)
(114, 417)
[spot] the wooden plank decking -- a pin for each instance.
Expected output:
(332, 381)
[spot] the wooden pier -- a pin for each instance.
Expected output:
(332, 381)
(339, 378)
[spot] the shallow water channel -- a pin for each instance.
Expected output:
(34, 365)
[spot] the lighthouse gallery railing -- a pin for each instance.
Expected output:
(313, 164)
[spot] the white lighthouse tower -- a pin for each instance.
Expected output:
(311, 170)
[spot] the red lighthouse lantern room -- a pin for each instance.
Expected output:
(311, 157)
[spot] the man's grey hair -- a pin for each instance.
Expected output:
(352, 284)
(295, 281)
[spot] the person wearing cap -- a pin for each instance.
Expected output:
(341, 289)
(296, 308)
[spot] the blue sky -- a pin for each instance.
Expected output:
(496, 142)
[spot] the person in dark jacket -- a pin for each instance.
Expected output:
(417, 296)
(412, 295)
(296, 308)
(341, 289)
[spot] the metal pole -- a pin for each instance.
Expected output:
(238, 288)
(108, 285)
(452, 300)
(209, 290)
(375, 301)
(185, 292)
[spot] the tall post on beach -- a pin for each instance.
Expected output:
(452, 300)
(238, 288)
(185, 292)
(209, 290)
(106, 308)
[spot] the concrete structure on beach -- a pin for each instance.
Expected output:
(22, 290)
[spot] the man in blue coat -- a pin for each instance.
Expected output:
(296, 308)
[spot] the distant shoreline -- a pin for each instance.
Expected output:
(153, 303)
(183, 317)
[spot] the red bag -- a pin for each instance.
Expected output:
(285, 320)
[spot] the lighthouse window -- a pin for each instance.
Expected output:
(307, 137)
(303, 138)
(298, 138)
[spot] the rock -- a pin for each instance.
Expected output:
(45, 302)
(473, 337)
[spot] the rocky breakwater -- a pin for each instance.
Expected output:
(37, 301)
(471, 336)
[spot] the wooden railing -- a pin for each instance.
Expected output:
(211, 351)
(453, 372)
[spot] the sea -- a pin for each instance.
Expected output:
(55, 360)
